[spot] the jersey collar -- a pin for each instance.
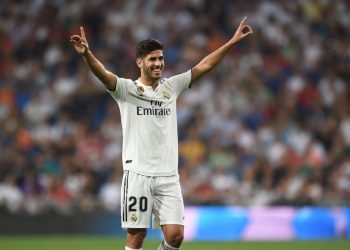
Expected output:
(138, 83)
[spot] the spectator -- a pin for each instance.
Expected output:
(287, 102)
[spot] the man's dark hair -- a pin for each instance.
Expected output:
(147, 46)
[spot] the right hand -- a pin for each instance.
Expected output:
(79, 42)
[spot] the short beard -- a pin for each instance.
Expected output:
(148, 74)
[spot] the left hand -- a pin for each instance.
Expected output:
(242, 31)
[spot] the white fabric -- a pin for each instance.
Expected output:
(148, 117)
(143, 196)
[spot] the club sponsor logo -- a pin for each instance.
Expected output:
(153, 111)
(156, 109)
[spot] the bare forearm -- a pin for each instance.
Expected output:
(106, 77)
(211, 60)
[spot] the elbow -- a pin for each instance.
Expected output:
(110, 87)
(199, 71)
(110, 81)
(207, 67)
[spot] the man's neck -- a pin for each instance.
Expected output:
(149, 82)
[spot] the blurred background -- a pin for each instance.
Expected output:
(267, 130)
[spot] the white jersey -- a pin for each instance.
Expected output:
(149, 122)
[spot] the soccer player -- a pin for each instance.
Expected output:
(150, 185)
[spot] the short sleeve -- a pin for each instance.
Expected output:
(181, 82)
(120, 90)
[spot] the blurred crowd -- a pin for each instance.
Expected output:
(270, 125)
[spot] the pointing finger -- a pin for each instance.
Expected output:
(82, 32)
(242, 22)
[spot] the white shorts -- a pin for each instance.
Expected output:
(146, 197)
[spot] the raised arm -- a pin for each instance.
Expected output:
(211, 60)
(82, 47)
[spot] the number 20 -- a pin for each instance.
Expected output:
(142, 203)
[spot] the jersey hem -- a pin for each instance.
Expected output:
(135, 226)
(150, 174)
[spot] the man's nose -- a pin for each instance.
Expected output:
(158, 63)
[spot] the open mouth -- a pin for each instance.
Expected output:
(156, 71)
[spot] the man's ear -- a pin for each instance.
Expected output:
(138, 62)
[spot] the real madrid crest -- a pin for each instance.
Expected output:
(133, 218)
(166, 95)
(140, 90)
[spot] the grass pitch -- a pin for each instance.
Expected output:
(109, 243)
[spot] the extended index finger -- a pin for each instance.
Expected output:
(82, 32)
(242, 22)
